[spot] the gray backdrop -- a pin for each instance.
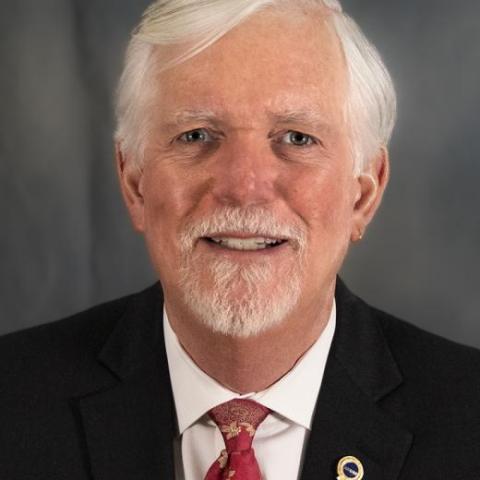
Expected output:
(65, 239)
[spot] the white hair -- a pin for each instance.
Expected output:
(371, 101)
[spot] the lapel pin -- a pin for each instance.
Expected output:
(350, 468)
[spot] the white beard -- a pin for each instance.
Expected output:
(239, 300)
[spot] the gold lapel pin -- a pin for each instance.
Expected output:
(350, 468)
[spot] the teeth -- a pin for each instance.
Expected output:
(258, 243)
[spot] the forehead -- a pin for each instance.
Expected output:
(273, 62)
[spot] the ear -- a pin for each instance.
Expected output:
(371, 186)
(130, 177)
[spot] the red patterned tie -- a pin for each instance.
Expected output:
(238, 421)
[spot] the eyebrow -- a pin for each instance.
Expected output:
(308, 117)
(185, 116)
(287, 116)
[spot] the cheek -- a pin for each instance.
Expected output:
(324, 201)
(170, 195)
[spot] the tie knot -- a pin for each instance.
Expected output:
(238, 420)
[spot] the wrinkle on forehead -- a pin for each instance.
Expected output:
(270, 63)
(289, 29)
(296, 11)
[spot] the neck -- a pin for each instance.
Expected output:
(270, 355)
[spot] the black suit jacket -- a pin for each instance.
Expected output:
(89, 397)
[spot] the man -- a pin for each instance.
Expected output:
(251, 151)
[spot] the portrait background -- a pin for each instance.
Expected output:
(66, 242)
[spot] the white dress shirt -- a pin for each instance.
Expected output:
(280, 439)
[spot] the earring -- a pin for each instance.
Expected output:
(358, 236)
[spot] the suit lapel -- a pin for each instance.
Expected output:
(349, 421)
(129, 424)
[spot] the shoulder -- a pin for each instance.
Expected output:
(433, 376)
(439, 395)
(421, 354)
(418, 353)
(55, 354)
(65, 334)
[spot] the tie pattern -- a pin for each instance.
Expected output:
(238, 421)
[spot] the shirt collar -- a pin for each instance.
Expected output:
(293, 396)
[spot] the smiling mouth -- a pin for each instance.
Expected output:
(245, 244)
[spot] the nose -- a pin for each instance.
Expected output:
(244, 174)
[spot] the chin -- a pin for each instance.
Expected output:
(239, 300)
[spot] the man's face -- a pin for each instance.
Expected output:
(247, 198)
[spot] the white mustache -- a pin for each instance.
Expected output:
(255, 221)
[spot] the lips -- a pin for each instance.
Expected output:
(245, 244)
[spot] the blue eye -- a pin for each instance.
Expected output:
(198, 135)
(298, 139)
